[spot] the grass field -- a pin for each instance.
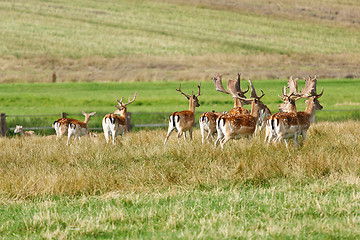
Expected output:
(176, 40)
(142, 189)
(156, 97)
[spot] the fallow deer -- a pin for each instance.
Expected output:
(264, 111)
(79, 128)
(207, 122)
(61, 126)
(287, 106)
(114, 124)
(233, 126)
(307, 117)
(184, 120)
(19, 129)
(293, 124)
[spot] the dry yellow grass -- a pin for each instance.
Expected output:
(175, 68)
(41, 166)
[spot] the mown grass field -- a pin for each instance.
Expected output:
(176, 40)
(156, 97)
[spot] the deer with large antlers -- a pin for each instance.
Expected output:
(114, 124)
(307, 117)
(288, 106)
(184, 120)
(233, 126)
(79, 128)
(207, 120)
(291, 123)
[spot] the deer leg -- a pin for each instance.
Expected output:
(171, 128)
(224, 140)
(202, 130)
(106, 135)
(220, 136)
(296, 140)
(303, 133)
(113, 134)
(69, 136)
(190, 134)
(210, 134)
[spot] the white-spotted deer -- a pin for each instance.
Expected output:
(207, 123)
(293, 124)
(114, 124)
(19, 129)
(208, 119)
(61, 126)
(288, 106)
(79, 128)
(237, 125)
(307, 117)
(184, 121)
(264, 111)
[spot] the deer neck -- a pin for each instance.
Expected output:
(237, 103)
(255, 110)
(310, 110)
(87, 119)
(192, 105)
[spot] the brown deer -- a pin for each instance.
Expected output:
(114, 124)
(79, 128)
(307, 117)
(61, 126)
(184, 121)
(19, 129)
(293, 124)
(288, 106)
(233, 126)
(207, 122)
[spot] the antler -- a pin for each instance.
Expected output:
(293, 86)
(199, 90)
(218, 83)
(179, 90)
(253, 92)
(310, 87)
(121, 104)
(135, 95)
(235, 89)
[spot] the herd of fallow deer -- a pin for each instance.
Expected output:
(238, 122)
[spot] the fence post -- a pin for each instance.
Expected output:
(63, 114)
(3, 124)
(128, 121)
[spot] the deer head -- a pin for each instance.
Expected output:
(289, 99)
(193, 99)
(122, 107)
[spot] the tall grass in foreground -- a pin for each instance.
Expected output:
(40, 166)
(141, 189)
